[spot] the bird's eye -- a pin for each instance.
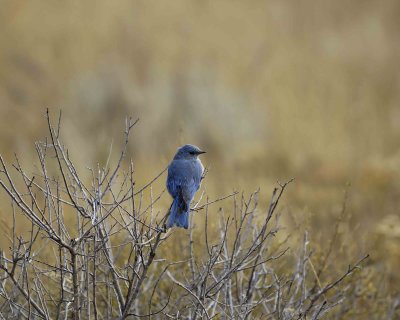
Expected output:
(191, 152)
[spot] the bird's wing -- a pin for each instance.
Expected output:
(183, 179)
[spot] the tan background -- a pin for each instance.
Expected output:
(271, 89)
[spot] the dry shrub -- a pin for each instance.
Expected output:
(116, 260)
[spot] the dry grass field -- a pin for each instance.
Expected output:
(272, 90)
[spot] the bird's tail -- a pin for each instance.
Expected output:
(178, 217)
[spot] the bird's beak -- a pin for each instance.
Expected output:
(200, 152)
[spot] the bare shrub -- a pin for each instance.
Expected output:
(114, 262)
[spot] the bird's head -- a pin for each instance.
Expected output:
(188, 151)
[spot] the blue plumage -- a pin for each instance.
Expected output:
(184, 178)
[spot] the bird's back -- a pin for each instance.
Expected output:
(184, 176)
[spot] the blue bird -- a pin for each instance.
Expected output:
(184, 177)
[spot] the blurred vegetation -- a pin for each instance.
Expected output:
(271, 89)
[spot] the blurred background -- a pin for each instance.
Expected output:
(270, 89)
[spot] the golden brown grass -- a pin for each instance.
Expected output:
(271, 90)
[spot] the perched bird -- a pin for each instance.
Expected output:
(184, 177)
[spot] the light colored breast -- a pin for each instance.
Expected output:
(200, 166)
